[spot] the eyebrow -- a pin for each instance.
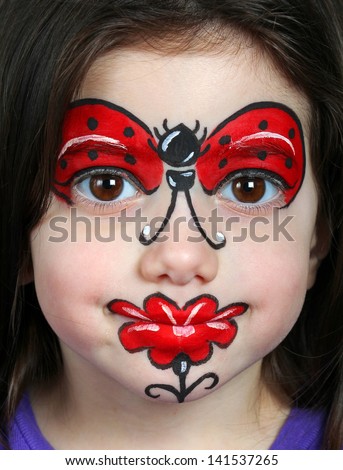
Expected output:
(264, 143)
(270, 145)
(81, 143)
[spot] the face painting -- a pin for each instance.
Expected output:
(102, 135)
(261, 141)
(159, 318)
(177, 337)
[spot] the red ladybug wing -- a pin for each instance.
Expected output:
(263, 136)
(97, 134)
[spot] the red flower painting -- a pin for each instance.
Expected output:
(169, 332)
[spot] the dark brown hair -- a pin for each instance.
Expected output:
(46, 48)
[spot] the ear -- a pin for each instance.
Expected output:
(320, 246)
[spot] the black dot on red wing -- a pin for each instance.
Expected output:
(288, 163)
(129, 132)
(63, 164)
(92, 123)
(262, 155)
(263, 125)
(130, 159)
(222, 163)
(225, 140)
(93, 154)
(291, 133)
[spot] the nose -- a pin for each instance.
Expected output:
(179, 262)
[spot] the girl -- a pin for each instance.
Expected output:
(171, 262)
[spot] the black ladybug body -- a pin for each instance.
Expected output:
(179, 146)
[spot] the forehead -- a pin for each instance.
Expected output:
(205, 86)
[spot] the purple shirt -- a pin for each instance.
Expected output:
(302, 430)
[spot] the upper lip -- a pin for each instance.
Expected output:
(157, 308)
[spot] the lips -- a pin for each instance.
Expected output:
(167, 330)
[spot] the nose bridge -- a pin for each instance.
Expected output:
(181, 185)
(176, 200)
(180, 253)
(184, 227)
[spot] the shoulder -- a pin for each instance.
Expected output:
(302, 430)
(24, 433)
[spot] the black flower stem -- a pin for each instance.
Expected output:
(183, 388)
(181, 366)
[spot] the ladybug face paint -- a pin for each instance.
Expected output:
(98, 134)
(263, 140)
(261, 136)
(179, 146)
(178, 337)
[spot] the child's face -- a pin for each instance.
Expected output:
(176, 313)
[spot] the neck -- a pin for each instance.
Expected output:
(241, 414)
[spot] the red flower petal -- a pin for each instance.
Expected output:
(230, 311)
(199, 310)
(160, 309)
(167, 331)
(165, 345)
(127, 309)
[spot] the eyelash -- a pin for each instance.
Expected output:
(116, 205)
(251, 209)
(103, 206)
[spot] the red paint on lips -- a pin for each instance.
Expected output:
(167, 330)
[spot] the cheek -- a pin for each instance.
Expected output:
(281, 306)
(271, 277)
(275, 293)
(74, 283)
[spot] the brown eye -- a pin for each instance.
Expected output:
(106, 187)
(248, 190)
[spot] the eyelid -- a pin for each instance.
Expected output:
(272, 177)
(101, 170)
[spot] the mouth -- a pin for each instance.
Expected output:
(159, 309)
(169, 332)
